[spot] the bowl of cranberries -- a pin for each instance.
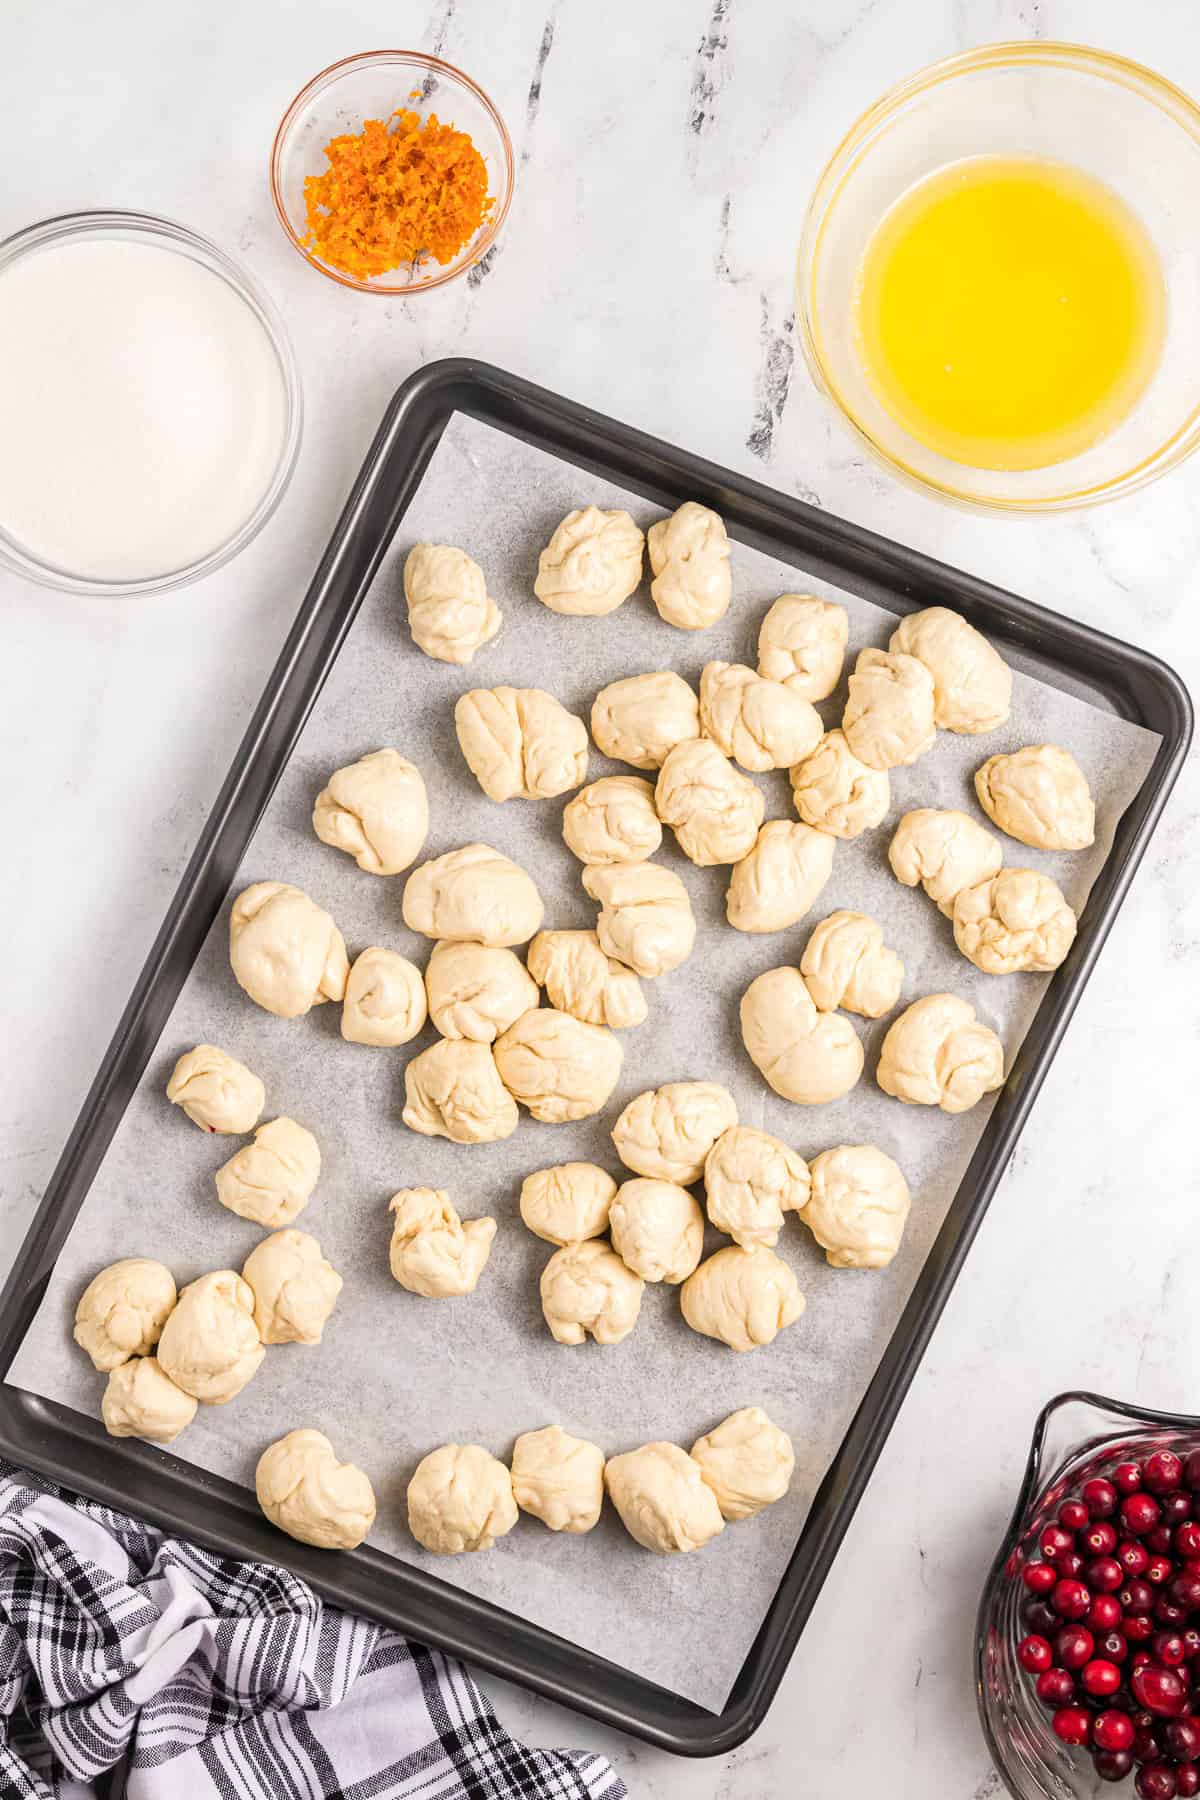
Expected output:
(1089, 1627)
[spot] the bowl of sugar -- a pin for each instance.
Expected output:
(150, 413)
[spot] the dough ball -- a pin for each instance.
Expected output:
(588, 1291)
(667, 1132)
(558, 1478)
(473, 895)
(433, 1252)
(835, 792)
(802, 642)
(520, 744)
(945, 851)
(217, 1092)
(662, 1498)
(743, 1297)
(750, 1181)
(780, 880)
(286, 951)
(294, 1288)
(477, 991)
(1040, 796)
(714, 812)
(846, 963)
(567, 1203)
(460, 1498)
(140, 1401)
(385, 999)
(939, 1054)
(581, 980)
(761, 724)
(689, 558)
(640, 719)
(646, 920)
(123, 1309)
(557, 1066)
(1014, 921)
(592, 563)
(304, 1490)
(613, 821)
(747, 1462)
(271, 1180)
(657, 1230)
(210, 1346)
(858, 1206)
(806, 1055)
(972, 683)
(450, 613)
(376, 810)
(889, 710)
(454, 1090)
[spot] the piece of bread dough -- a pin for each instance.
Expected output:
(750, 1180)
(454, 1090)
(271, 1180)
(646, 920)
(210, 1345)
(846, 963)
(939, 1054)
(304, 1490)
(689, 558)
(833, 791)
(742, 1297)
(558, 1067)
(581, 980)
(858, 1206)
(668, 1131)
(945, 851)
(1040, 796)
(657, 1229)
(587, 1291)
(558, 1478)
(781, 878)
(714, 812)
(888, 719)
(592, 563)
(640, 719)
(972, 683)
(123, 1309)
(477, 991)
(473, 894)
(664, 1502)
(567, 1203)
(376, 810)
(746, 1461)
(520, 743)
(433, 1252)
(385, 999)
(761, 724)
(802, 642)
(613, 821)
(217, 1092)
(295, 1289)
(807, 1056)
(285, 950)
(141, 1401)
(1015, 921)
(450, 612)
(460, 1498)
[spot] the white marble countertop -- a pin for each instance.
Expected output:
(665, 154)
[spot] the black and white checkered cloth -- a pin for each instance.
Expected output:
(137, 1665)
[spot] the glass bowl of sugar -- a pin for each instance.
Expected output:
(150, 414)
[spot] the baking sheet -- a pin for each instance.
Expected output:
(397, 1375)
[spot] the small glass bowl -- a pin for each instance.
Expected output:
(372, 86)
(1077, 1435)
(1111, 118)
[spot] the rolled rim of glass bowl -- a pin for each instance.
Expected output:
(1080, 485)
(422, 65)
(170, 234)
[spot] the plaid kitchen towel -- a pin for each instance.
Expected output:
(135, 1665)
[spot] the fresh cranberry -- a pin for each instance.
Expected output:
(1104, 1574)
(1104, 1614)
(1156, 1781)
(1100, 1678)
(1187, 1539)
(1100, 1496)
(1162, 1472)
(1187, 1780)
(1191, 1472)
(1100, 1539)
(1184, 1591)
(1039, 1577)
(1055, 1542)
(1138, 1627)
(1127, 1477)
(1112, 1646)
(1073, 1647)
(1069, 1565)
(1159, 1690)
(1159, 1569)
(1073, 1515)
(1132, 1557)
(1140, 1659)
(1166, 1647)
(1136, 1596)
(1146, 1747)
(1159, 1540)
(1070, 1600)
(1112, 1731)
(1039, 1616)
(1191, 1643)
(1182, 1738)
(1055, 1687)
(1034, 1654)
(1112, 1765)
(1072, 1724)
(1177, 1507)
(1139, 1514)
(1168, 1614)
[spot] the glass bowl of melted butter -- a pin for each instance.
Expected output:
(998, 282)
